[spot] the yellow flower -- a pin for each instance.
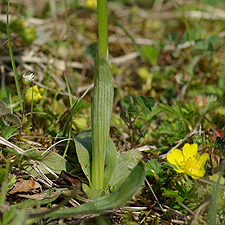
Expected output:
(79, 123)
(189, 161)
(91, 4)
(36, 93)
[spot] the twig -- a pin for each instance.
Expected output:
(196, 216)
(154, 195)
(193, 213)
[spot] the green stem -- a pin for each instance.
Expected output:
(102, 27)
(70, 118)
(188, 181)
(102, 101)
(13, 62)
(31, 107)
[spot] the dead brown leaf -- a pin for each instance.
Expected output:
(69, 180)
(23, 185)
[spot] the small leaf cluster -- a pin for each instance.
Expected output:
(9, 122)
(132, 108)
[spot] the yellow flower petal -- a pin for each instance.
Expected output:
(41, 90)
(36, 94)
(189, 161)
(35, 88)
(175, 157)
(190, 151)
(203, 160)
(91, 4)
(79, 123)
(195, 174)
(179, 170)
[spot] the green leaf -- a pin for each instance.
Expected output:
(6, 93)
(8, 132)
(33, 154)
(150, 53)
(7, 217)
(132, 99)
(108, 202)
(20, 218)
(169, 109)
(53, 161)
(101, 111)
(142, 100)
(213, 39)
(171, 140)
(170, 193)
(12, 118)
(200, 45)
(148, 102)
(152, 164)
(126, 162)
(92, 193)
(3, 109)
(133, 110)
(179, 110)
(110, 163)
(166, 128)
(83, 149)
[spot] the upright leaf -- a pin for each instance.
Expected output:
(101, 111)
(83, 149)
(84, 154)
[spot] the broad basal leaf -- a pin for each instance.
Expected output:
(126, 162)
(84, 154)
(114, 200)
(53, 161)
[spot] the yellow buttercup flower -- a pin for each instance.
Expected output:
(189, 161)
(79, 123)
(91, 4)
(36, 93)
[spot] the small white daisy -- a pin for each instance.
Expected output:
(28, 78)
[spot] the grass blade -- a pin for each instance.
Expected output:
(13, 62)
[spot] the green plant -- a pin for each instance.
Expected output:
(13, 63)
(136, 106)
(98, 158)
(9, 122)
